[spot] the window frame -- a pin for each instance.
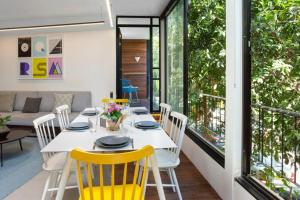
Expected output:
(194, 136)
(247, 182)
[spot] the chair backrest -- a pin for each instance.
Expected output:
(45, 130)
(117, 101)
(63, 116)
(121, 101)
(165, 110)
(178, 125)
(105, 100)
(134, 190)
(125, 82)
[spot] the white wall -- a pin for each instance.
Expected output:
(89, 64)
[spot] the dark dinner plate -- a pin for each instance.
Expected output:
(79, 125)
(140, 111)
(90, 113)
(113, 140)
(147, 124)
(99, 144)
(77, 129)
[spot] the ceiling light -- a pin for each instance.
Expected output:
(52, 26)
(108, 6)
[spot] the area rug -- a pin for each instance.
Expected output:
(19, 167)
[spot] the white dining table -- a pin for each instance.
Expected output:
(66, 141)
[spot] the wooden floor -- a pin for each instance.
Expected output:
(192, 184)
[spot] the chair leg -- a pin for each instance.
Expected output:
(176, 183)
(46, 187)
(53, 182)
(146, 181)
(171, 179)
(140, 174)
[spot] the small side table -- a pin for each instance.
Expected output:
(13, 136)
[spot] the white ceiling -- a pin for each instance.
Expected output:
(20, 13)
(139, 7)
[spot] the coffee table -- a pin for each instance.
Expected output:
(13, 136)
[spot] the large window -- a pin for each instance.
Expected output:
(206, 72)
(174, 57)
(275, 96)
(155, 69)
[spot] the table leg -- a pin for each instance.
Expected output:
(20, 142)
(157, 178)
(1, 155)
(64, 178)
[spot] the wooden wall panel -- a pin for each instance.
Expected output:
(135, 72)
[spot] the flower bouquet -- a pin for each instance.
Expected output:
(113, 115)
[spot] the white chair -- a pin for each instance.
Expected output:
(168, 159)
(63, 116)
(53, 162)
(165, 110)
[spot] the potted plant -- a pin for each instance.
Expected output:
(4, 130)
(113, 115)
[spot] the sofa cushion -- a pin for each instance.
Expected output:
(47, 103)
(26, 119)
(81, 100)
(32, 105)
(62, 99)
(7, 102)
(21, 98)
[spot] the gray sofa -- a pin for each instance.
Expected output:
(81, 100)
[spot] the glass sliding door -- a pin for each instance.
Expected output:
(174, 57)
(138, 61)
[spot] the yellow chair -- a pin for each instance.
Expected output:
(133, 191)
(117, 101)
(105, 100)
(121, 101)
(156, 116)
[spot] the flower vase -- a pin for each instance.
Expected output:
(112, 125)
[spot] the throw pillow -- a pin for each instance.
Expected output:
(32, 105)
(62, 99)
(7, 102)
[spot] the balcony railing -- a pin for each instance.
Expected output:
(207, 117)
(276, 149)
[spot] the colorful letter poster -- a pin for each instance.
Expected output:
(24, 47)
(55, 68)
(39, 46)
(25, 66)
(40, 57)
(39, 68)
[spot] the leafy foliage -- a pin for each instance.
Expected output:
(206, 46)
(175, 57)
(275, 50)
(4, 120)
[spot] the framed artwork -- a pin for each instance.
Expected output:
(39, 46)
(55, 68)
(25, 67)
(40, 57)
(24, 47)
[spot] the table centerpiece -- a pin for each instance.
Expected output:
(113, 115)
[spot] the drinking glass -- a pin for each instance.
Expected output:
(93, 122)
